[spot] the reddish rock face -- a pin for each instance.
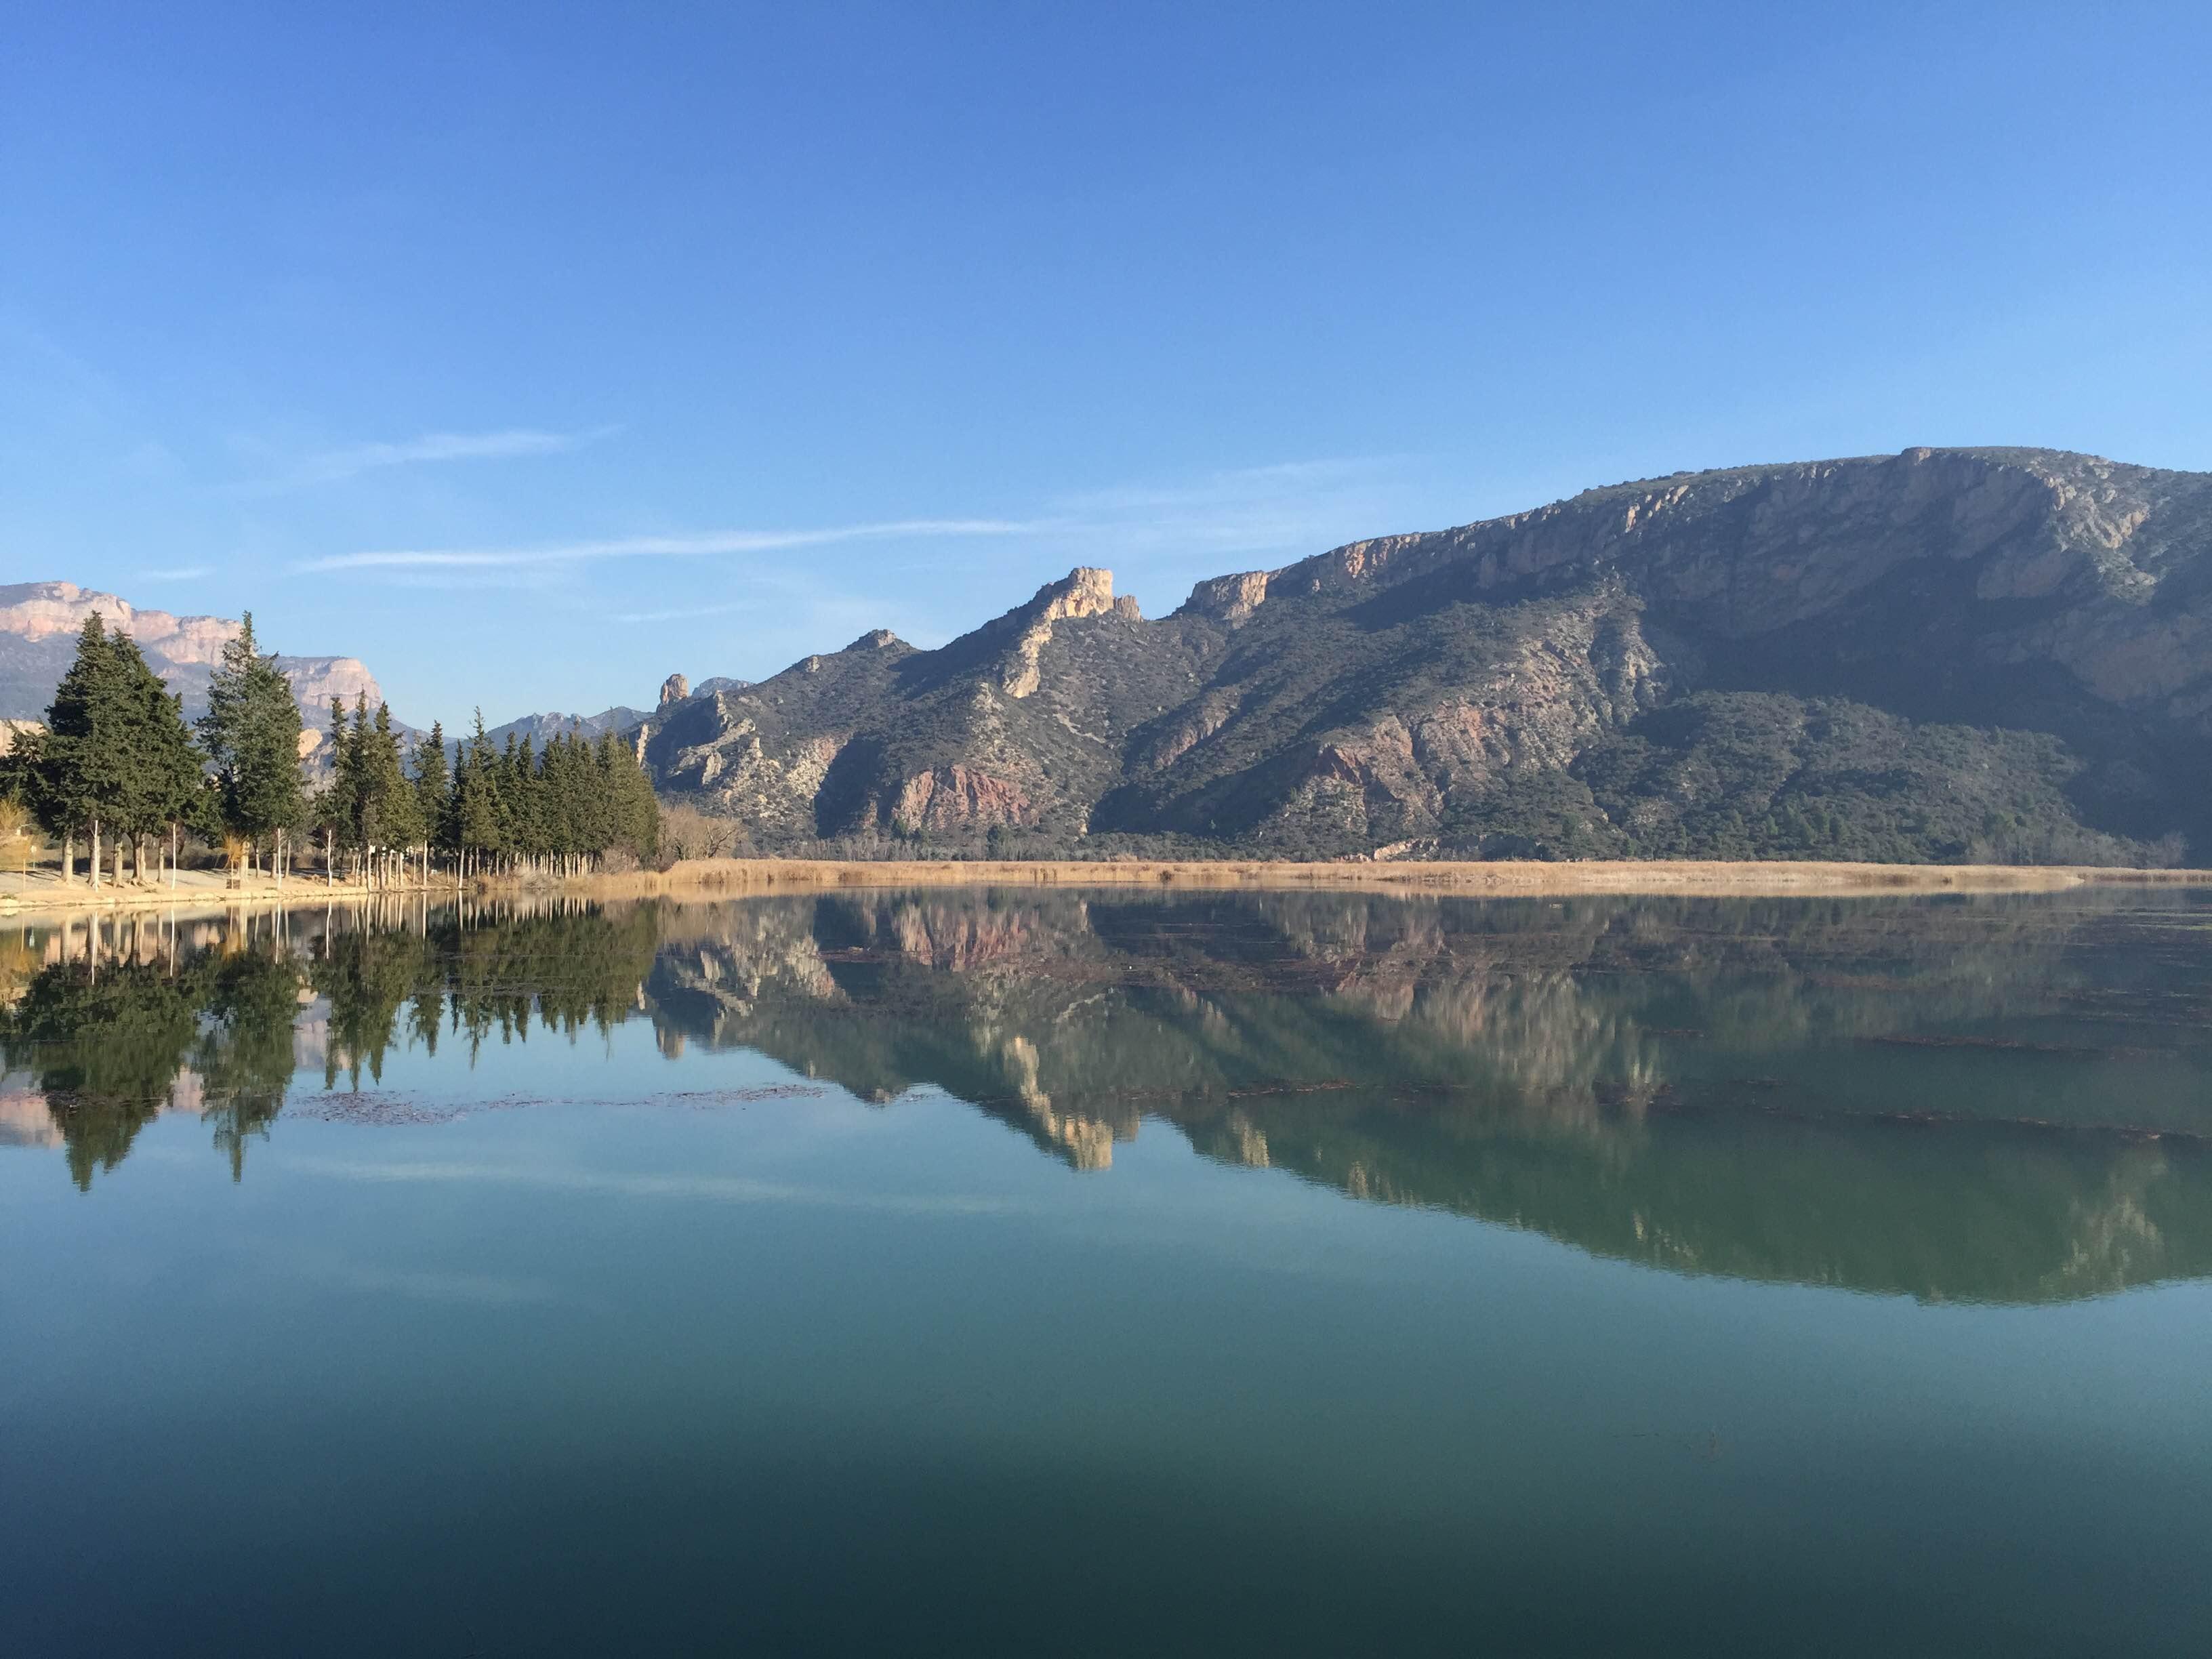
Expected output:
(674, 689)
(956, 798)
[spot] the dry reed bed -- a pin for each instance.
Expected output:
(1772, 879)
(705, 878)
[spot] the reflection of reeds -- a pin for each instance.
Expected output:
(384, 1110)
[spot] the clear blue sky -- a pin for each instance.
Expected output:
(530, 352)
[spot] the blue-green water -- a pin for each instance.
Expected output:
(1002, 1273)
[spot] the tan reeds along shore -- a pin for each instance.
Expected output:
(734, 876)
(719, 877)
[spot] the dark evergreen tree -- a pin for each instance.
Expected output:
(167, 773)
(634, 811)
(480, 829)
(332, 808)
(251, 733)
(400, 828)
(518, 793)
(85, 757)
(433, 790)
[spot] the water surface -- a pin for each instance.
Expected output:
(1000, 1272)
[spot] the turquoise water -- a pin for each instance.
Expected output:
(1002, 1273)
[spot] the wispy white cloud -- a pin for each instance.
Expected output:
(1173, 532)
(181, 572)
(702, 545)
(431, 448)
(677, 613)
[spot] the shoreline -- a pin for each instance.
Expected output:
(736, 878)
(199, 892)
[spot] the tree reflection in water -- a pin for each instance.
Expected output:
(1997, 1099)
(115, 1030)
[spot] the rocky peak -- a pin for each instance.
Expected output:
(1228, 598)
(1085, 591)
(35, 611)
(674, 690)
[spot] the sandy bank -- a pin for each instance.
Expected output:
(197, 891)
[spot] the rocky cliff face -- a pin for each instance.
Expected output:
(1938, 653)
(39, 624)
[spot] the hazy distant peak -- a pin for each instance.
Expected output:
(39, 622)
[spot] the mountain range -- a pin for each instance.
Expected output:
(1943, 654)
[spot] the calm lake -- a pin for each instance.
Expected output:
(1010, 1272)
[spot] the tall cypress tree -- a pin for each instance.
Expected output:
(480, 829)
(518, 795)
(166, 769)
(333, 806)
(399, 810)
(363, 793)
(434, 789)
(633, 812)
(251, 731)
(85, 759)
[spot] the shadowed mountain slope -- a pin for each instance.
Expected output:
(1947, 655)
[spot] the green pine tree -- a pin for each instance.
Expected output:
(167, 772)
(433, 790)
(85, 759)
(251, 735)
(480, 820)
(400, 826)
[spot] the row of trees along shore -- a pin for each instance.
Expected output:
(118, 768)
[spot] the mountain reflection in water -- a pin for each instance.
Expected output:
(1997, 1099)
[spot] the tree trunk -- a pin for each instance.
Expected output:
(95, 855)
(69, 858)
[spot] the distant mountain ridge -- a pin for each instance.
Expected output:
(541, 728)
(2000, 654)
